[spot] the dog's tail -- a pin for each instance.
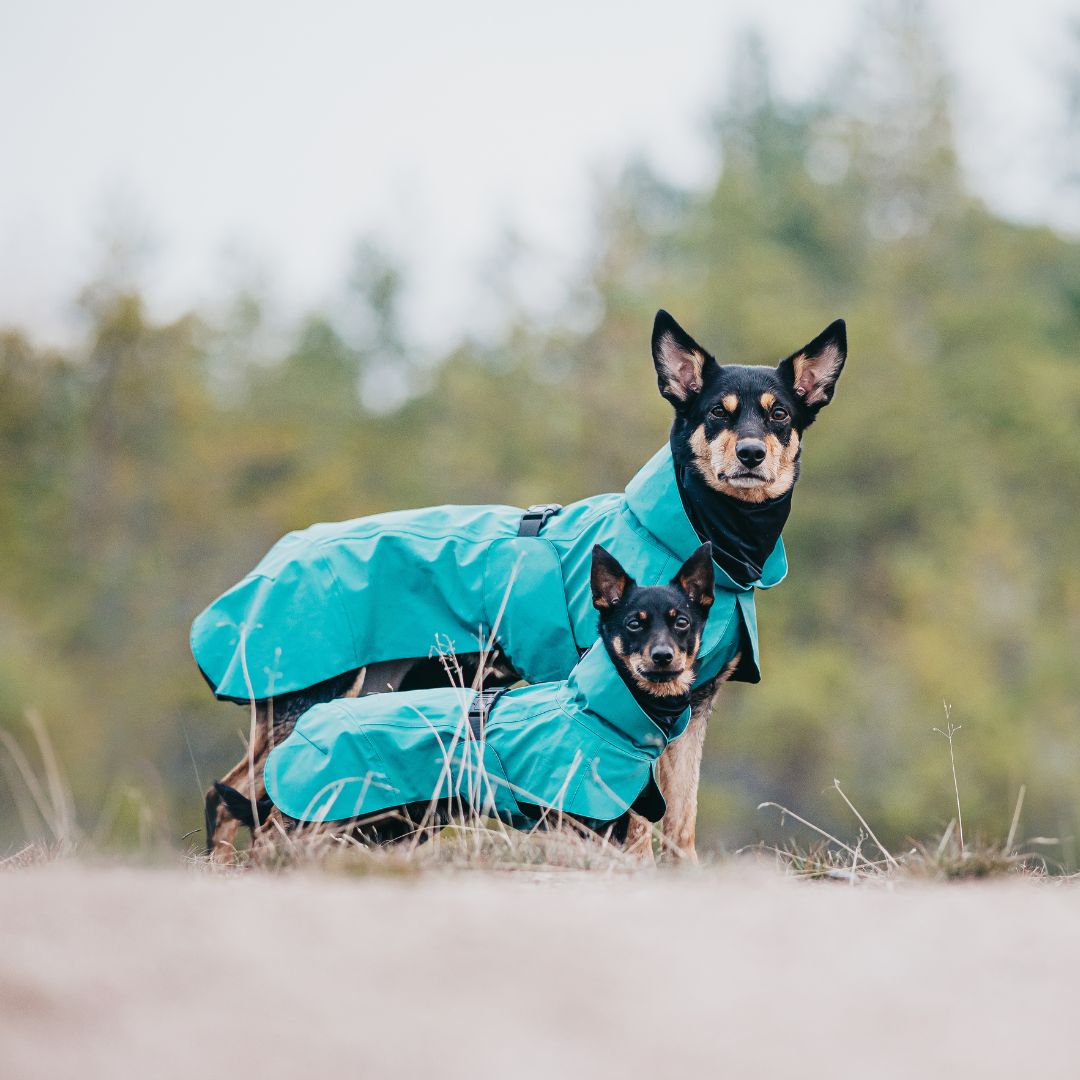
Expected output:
(240, 806)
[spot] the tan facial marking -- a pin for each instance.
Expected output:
(713, 457)
(730, 402)
(768, 400)
(787, 461)
(679, 683)
(680, 657)
(699, 444)
(718, 457)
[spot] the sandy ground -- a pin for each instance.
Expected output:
(123, 973)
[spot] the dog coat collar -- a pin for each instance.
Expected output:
(596, 691)
(653, 497)
(743, 534)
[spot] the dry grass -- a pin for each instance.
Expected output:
(477, 840)
(474, 839)
(35, 854)
(948, 858)
(941, 861)
(470, 843)
(43, 792)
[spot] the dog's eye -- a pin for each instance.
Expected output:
(779, 413)
(633, 624)
(718, 411)
(682, 623)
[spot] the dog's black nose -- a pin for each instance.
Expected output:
(751, 452)
(662, 656)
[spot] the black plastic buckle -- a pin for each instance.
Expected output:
(535, 518)
(480, 707)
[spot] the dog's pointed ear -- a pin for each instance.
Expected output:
(696, 578)
(610, 582)
(813, 370)
(680, 361)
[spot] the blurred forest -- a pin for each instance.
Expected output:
(933, 540)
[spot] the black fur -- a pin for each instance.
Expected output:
(240, 806)
(704, 405)
(653, 633)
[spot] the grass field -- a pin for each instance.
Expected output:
(734, 971)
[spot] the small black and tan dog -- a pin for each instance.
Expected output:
(653, 632)
(652, 635)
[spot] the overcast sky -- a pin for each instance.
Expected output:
(261, 139)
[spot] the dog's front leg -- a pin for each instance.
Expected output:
(221, 825)
(679, 772)
(638, 842)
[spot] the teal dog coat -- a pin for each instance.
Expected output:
(583, 746)
(335, 597)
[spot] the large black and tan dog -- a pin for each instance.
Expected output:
(736, 442)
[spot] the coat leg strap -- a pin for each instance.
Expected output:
(480, 707)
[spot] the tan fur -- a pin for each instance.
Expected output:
(718, 456)
(677, 684)
(679, 773)
(265, 838)
(358, 685)
(706, 454)
(786, 459)
(639, 836)
(730, 402)
(813, 375)
(638, 663)
(682, 679)
(222, 841)
(768, 400)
